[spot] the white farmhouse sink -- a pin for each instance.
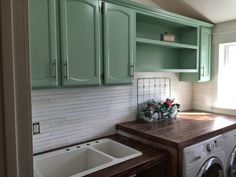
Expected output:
(68, 164)
(82, 160)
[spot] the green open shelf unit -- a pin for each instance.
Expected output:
(153, 54)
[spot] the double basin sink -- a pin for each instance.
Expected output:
(83, 159)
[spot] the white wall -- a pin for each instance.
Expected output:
(205, 94)
(73, 115)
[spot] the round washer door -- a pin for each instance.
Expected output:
(231, 169)
(212, 168)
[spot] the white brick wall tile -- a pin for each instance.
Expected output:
(73, 115)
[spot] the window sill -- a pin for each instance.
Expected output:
(225, 107)
(224, 110)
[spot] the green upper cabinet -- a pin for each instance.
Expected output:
(68, 38)
(43, 43)
(80, 42)
(205, 54)
(204, 71)
(119, 37)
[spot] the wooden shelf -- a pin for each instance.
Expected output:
(165, 44)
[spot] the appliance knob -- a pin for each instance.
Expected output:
(209, 147)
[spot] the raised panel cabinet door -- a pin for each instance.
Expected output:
(80, 42)
(205, 55)
(118, 44)
(43, 38)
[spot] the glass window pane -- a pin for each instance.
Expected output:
(226, 76)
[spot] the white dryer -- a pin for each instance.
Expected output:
(229, 140)
(204, 159)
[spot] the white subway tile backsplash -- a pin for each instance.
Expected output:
(69, 116)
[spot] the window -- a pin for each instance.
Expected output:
(227, 76)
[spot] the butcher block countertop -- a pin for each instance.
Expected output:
(189, 128)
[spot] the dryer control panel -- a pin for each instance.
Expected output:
(199, 152)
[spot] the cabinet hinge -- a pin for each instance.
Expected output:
(101, 7)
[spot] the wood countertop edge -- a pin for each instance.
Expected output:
(177, 145)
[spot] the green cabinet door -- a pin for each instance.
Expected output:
(80, 42)
(204, 71)
(118, 44)
(43, 43)
(205, 54)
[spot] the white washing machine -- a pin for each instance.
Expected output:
(229, 140)
(204, 159)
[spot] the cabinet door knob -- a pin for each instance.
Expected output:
(66, 74)
(54, 66)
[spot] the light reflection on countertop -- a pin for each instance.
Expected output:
(221, 122)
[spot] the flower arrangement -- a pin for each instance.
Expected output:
(153, 111)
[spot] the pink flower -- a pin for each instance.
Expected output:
(169, 101)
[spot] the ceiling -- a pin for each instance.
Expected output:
(215, 11)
